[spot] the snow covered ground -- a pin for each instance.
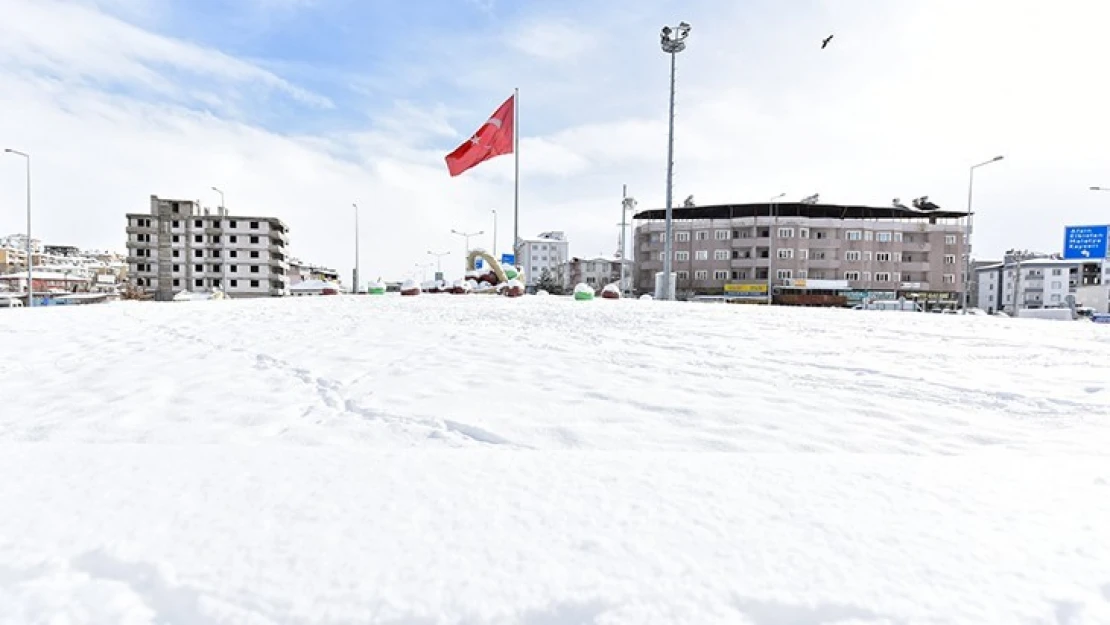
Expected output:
(472, 460)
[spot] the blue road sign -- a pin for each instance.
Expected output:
(478, 262)
(508, 260)
(1083, 242)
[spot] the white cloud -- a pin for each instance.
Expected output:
(906, 97)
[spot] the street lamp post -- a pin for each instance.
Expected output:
(356, 276)
(627, 204)
(30, 251)
(967, 231)
(223, 202)
(494, 211)
(439, 258)
(466, 236)
(673, 41)
(771, 255)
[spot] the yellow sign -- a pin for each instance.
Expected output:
(801, 284)
(745, 288)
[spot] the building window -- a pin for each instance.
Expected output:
(882, 257)
(662, 256)
(254, 284)
(177, 268)
(198, 283)
(720, 255)
(198, 239)
(198, 224)
(215, 253)
(882, 276)
(1057, 272)
(950, 278)
(852, 235)
(820, 234)
(803, 233)
(254, 226)
(949, 259)
(682, 255)
(853, 257)
(681, 237)
(884, 237)
(682, 275)
(802, 275)
(254, 268)
(851, 276)
(198, 268)
(233, 283)
(897, 237)
(702, 235)
(176, 239)
(176, 207)
(233, 223)
(785, 274)
(216, 239)
(786, 233)
(254, 254)
(176, 254)
(254, 240)
(786, 253)
(233, 254)
(720, 275)
(722, 235)
(949, 239)
(197, 253)
(701, 274)
(233, 268)
(215, 268)
(739, 275)
(1057, 285)
(867, 276)
(176, 283)
(701, 255)
(232, 238)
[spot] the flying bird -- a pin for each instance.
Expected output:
(826, 41)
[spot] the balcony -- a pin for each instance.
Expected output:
(142, 229)
(213, 230)
(824, 244)
(917, 267)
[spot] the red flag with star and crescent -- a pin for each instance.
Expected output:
(494, 138)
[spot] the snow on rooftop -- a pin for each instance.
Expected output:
(332, 462)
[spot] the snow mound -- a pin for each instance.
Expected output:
(646, 297)
(410, 287)
(583, 291)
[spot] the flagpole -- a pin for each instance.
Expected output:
(516, 177)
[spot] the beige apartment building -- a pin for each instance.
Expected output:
(178, 246)
(861, 252)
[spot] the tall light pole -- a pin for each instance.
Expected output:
(967, 231)
(356, 276)
(494, 211)
(439, 258)
(673, 41)
(30, 251)
(772, 209)
(627, 204)
(466, 236)
(223, 203)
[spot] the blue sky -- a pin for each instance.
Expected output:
(299, 107)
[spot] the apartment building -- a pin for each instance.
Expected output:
(300, 271)
(596, 272)
(179, 246)
(543, 253)
(1028, 280)
(879, 252)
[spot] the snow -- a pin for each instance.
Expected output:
(636, 463)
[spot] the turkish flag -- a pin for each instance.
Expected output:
(493, 138)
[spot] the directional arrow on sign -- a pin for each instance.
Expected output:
(1086, 253)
